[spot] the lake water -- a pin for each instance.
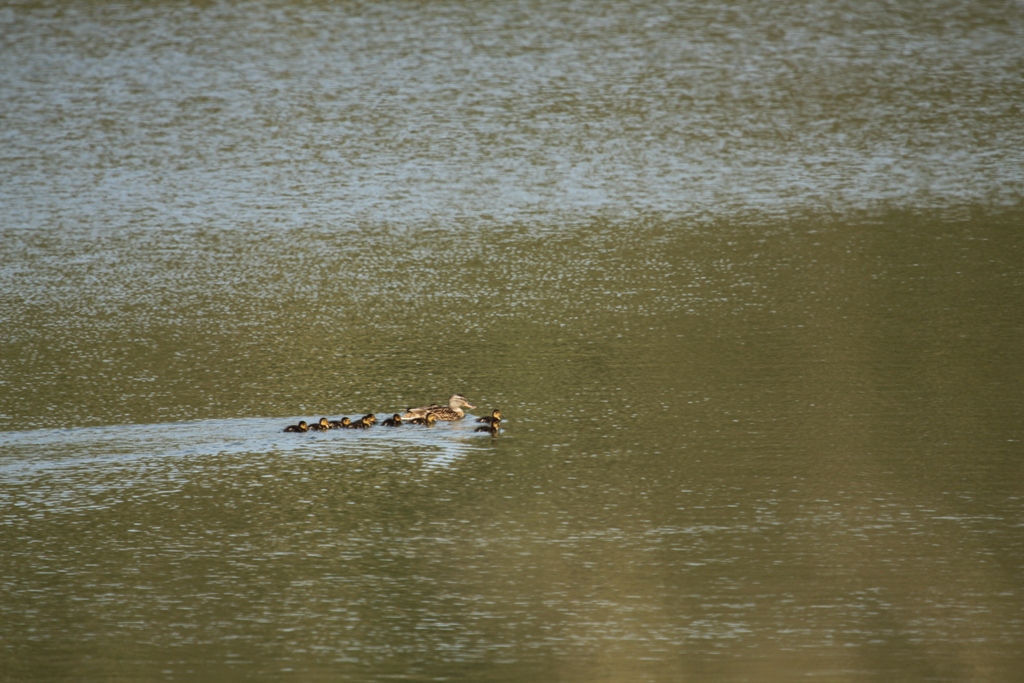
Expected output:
(745, 278)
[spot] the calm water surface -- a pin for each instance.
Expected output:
(746, 280)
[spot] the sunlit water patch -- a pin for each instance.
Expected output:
(267, 113)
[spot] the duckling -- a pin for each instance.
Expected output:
(322, 426)
(343, 423)
(371, 418)
(362, 423)
(491, 429)
(393, 421)
(301, 427)
(452, 411)
(427, 420)
(493, 418)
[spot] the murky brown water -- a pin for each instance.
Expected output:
(745, 279)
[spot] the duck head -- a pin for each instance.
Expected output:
(458, 401)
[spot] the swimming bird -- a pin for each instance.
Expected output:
(493, 418)
(452, 411)
(371, 418)
(343, 423)
(393, 421)
(427, 420)
(362, 423)
(301, 427)
(322, 426)
(491, 429)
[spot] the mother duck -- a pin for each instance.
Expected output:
(452, 411)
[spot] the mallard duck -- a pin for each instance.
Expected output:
(343, 423)
(371, 418)
(322, 426)
(452, 411)
(427, 420)
(491, 429)
(362, 423)
(393, 421)
(493, 418)
(301, 427)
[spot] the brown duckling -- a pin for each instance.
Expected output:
(393, 421)
(427, 420)
(371, 418)
(493, 418)
(362, 423)
(343, 423)
(301, 427)
(322, 426)
(491, 429)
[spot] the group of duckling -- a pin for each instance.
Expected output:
(426, 416)
(324, 424)
(492, 423)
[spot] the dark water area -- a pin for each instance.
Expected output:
(745, 280)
